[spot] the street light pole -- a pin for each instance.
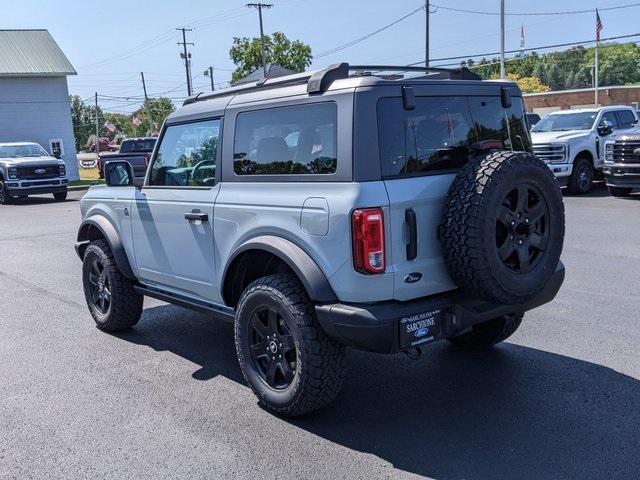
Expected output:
(426, 45)
(97, 130)
(260, 6)
(502, 69)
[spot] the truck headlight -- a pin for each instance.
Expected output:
(63, 169)
(608, 153)
(13, 173)
(560, 153)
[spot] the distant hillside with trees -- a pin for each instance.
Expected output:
(569, 69)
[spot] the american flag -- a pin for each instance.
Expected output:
(110, 126)
(522, 40)
(598, 26)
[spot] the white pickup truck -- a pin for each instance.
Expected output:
(571, 142)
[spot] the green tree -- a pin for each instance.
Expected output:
(158, 108)
(278, 49)
(83, 117)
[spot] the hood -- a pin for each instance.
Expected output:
(628, 134)
(28, 161)
(550, 137)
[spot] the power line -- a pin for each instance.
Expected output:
(369, 35)
(186, 56)
(544, 47)
(260, 6)
(570, 12)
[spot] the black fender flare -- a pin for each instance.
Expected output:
(313, 279)
(112, 237)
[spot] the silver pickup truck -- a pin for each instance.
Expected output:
(27, 169)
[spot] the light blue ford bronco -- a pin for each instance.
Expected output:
(381, 208)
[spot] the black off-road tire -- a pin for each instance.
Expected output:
(60, 196)
(620, 191)
(582, 176)
(125, 306)
(487, 334)
(472, 228)
(320, 360)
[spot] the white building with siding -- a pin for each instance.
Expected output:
(34, 98)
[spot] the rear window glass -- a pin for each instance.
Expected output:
(442, 133)
(129, 146)
(286, 141)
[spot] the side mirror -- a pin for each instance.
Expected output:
(57, 153)
(605, 128)
(118, 174)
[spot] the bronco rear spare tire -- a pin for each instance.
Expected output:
(503, 227)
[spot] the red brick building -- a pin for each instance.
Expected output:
(547, 102)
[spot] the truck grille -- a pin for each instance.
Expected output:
(29, 173)
(623, 152)
(549, 152)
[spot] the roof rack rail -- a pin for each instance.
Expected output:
(319, 81)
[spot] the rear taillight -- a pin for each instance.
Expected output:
(147, 157)
(368, 240)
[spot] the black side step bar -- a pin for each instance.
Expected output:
(221, 312)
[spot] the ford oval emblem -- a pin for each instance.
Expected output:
(636, 152)
(421, 332)
(413, 277)
(39, 171)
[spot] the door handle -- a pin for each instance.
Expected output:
(196, 216)
(412, 244)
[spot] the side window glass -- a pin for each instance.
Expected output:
(610, 117)
(626, 119)
(286, 141)
(187, 155)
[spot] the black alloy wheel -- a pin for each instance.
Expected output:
(99, 287)
(584, 177)
(522, 230)
(273, 349)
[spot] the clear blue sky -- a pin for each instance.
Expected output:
(90, 32)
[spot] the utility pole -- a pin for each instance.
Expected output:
(146, 101)
(426, 45)
(97, 130)
(260, 6)
(187, 57)
(503, 73)
(209, 73)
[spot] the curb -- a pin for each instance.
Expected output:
(78, 188)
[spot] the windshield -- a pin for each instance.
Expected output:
(17, 151)
(566, 121)
(145, 145)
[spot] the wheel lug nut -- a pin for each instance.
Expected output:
(520, 242)
(279, 344)
(526, 220)
(279, 356)
(512, 222)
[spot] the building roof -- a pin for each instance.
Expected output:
(273, 71)
(31, 53)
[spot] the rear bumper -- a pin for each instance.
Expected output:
(375, 327)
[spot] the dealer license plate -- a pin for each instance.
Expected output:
(420, 328)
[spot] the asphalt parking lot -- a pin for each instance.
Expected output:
(560, 399)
